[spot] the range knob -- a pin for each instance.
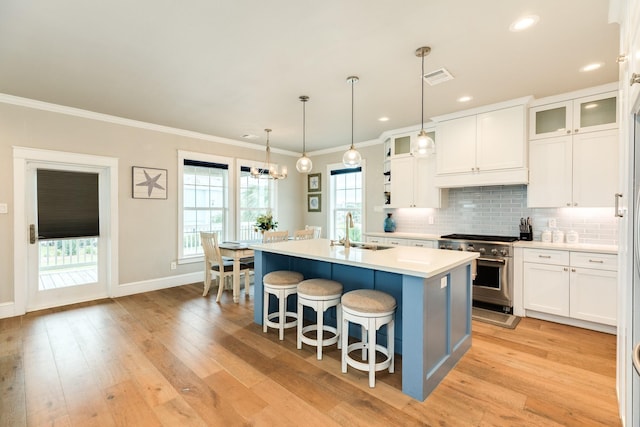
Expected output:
(503, 252)
(443, 247)
(470, 249)
(482, 250)
(449, 247)
(460, 248)
(494, 252)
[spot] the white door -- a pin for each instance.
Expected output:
(65, 267)
(456, 146)
(501, 139)
(595, 151)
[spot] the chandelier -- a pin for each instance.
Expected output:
(269, 171)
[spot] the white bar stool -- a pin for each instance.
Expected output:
(281, 283)
(371, 310)
(319, 294)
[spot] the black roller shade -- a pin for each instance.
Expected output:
(67, 204)
(349, 170)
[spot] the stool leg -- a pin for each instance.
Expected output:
(320, 324)
(339, 324)
(363, 338)
(265, 312)
(282, 303)
(345, 343)
(391, 344)
(371, 346)
(299, 324)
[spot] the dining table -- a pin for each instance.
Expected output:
(236, 251)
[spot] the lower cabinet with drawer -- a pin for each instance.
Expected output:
(576, 285)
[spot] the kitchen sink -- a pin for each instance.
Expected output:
(369, 246)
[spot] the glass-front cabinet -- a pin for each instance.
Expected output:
(587, 114)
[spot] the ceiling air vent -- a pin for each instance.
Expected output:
(438, 76)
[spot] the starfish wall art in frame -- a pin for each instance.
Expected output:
(149, 183)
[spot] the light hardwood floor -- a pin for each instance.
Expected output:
(174, 358)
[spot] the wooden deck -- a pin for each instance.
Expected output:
(175, 358)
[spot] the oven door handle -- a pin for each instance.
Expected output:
(497, 261)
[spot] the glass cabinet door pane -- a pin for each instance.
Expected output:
(598, 112)
(552, 120)
(402, 145)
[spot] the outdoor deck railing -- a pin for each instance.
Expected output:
(66, 253)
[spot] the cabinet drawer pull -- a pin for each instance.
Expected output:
(597, 261)
(419, 245)
(544, 256)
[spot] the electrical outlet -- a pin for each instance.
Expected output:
(552, 223)
(4, 208)
(443, 282)
(430, 220)
(174, 265)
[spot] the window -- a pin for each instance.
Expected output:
(346, 195)
(257, 197)
(204, 199)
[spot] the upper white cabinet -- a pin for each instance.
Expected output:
(485, 146)
(409, 179)
(578, 166)
(586, 114)
(412, 183)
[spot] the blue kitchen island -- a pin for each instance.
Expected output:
(432, 288)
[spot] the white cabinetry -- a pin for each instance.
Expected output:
(483, 146)
(412, 183)
(576, 285)
(579, 170)
(573, 152)
(586, 114)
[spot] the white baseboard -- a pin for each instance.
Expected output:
(132, 288)
(7, 309)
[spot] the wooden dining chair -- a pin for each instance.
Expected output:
(317, 230)
(216, 264)
(275, 236)
(303, 234)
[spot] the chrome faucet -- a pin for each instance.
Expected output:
(348, 223)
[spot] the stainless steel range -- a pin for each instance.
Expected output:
(493, 282)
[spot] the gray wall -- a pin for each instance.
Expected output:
(148, 229)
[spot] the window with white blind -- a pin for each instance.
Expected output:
(346, 194)
(204, 187)
(257, 197)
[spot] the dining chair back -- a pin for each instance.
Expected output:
(216, 264)
(275, 236)
(303, 234)
(317, 230)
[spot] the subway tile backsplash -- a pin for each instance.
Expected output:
(498, 209)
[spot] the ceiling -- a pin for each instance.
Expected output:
(235, 67)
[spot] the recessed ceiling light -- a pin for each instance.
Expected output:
(383, 119)
(249, 136)
(591, 67)
(465, 98)
(524, 23)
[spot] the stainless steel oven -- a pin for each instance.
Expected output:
(493, 282)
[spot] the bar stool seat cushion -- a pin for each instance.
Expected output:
(319, 287)
(282, 278)
(368, 301)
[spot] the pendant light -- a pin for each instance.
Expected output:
(424, 146)
(352, 157)
(269, 171)
(304, 164)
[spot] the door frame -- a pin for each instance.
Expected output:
(21, 157)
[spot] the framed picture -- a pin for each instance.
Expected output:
(149, 183)
(314, 202)
(315, 182)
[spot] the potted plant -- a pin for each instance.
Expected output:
(265, 223)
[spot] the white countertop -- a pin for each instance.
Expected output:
(576, 247)
(420, 262)
(535, 244)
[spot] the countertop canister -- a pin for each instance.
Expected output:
(572, 237)
(546, 236)
(558, 236)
